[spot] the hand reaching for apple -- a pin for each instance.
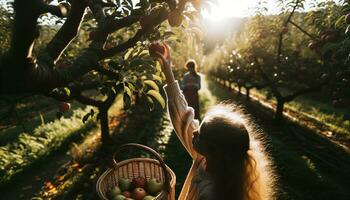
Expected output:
(162, 51)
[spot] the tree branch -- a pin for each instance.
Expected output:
(115, 25)
(108, 72)
(43, 77)
(67, 32)
(87, 101)
(280, 39)
(122, 47)
(24, 28)
(267, 80)
(301, 29)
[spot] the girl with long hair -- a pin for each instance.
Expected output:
(229, 162)
(191, 83)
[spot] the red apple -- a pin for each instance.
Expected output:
(139, 193)
(139, 182)
(156, 47)
(64, 107)
(127, 194)
(331, 38)
(312, 45)
(175, 18)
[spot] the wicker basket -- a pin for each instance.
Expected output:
(144, 167)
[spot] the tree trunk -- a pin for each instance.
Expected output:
(247, 95)
(279, 109)
(104, 122)
(239, 89)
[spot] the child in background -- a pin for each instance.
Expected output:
(228, 161)
(191, 83)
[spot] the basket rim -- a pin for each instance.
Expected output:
(110, 169)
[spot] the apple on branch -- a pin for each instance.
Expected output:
(64, 107)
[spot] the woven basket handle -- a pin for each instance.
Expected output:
(153, 153)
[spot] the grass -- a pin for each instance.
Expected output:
(31, 113)
(337, 119)
(46, 138)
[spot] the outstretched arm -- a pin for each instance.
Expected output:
(182, 116)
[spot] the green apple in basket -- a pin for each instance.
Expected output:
(154, 186)
(114, 192)
(124, 184)
(119, 197)
(149, 197)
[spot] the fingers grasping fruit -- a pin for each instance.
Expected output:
(160, 48)
(156, 47)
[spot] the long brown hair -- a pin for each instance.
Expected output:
(235, 158)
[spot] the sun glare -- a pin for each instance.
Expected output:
(224, 9)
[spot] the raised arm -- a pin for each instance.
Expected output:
(182, 116)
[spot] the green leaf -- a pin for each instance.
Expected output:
(152, 84)
(158, 66)
(340, 21)
(155, 94)
(150, 103)
(144, 53)
(131, 86)
(67, 91)
(127, 55)
(127, 91)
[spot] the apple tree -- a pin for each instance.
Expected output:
(99, 50)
